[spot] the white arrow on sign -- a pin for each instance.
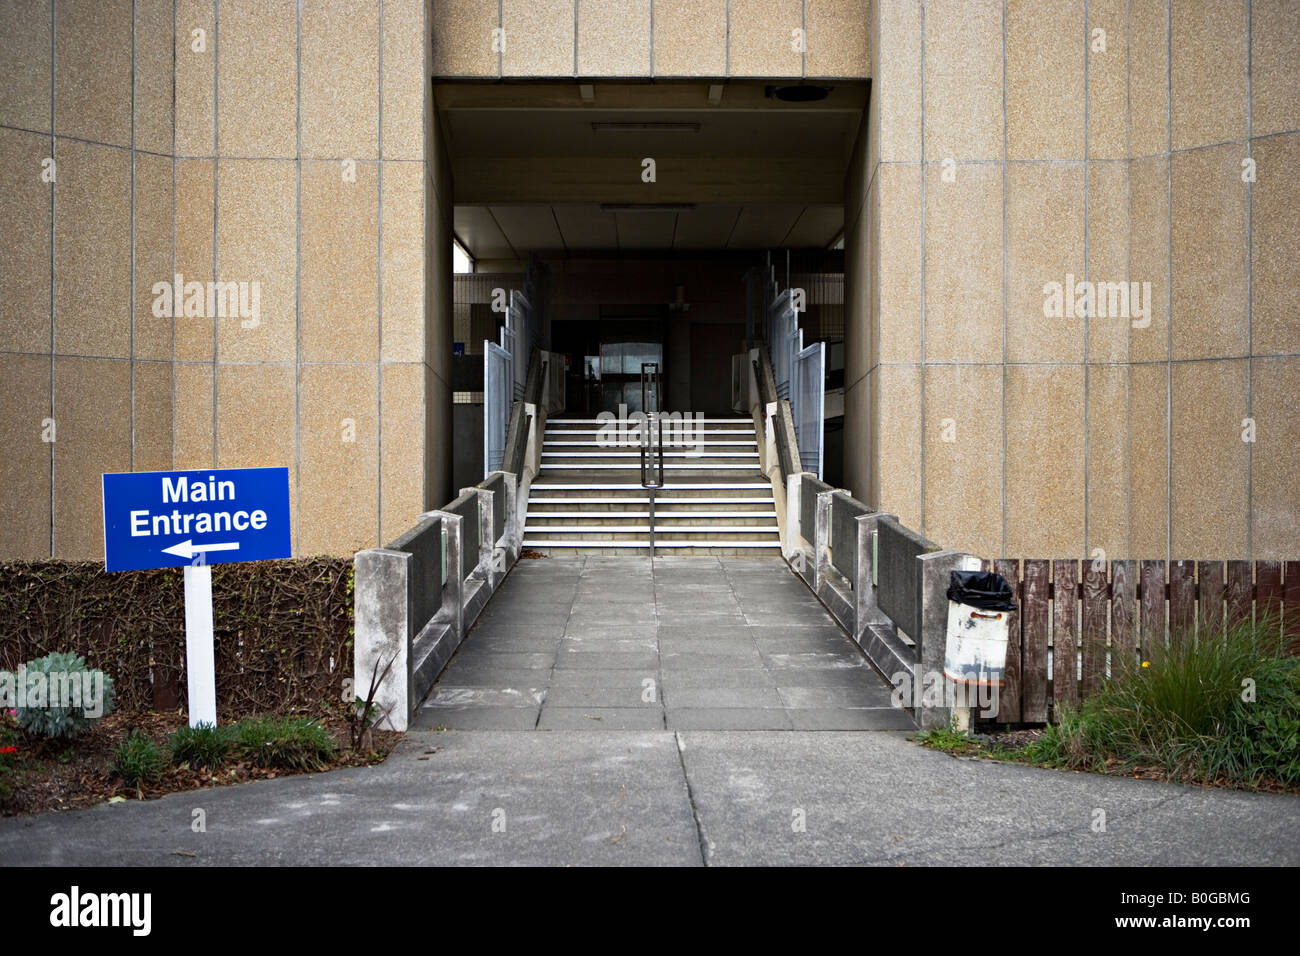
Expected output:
(187, 550)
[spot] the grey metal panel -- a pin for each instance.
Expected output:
(520, 327)
(809, 489)
(497, 391)
(467, 507)
(497, 485)
(517, 440)
(808, 404)
(845, 512)
(899, 589)
(424, 544)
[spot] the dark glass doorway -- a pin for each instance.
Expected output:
(604, 361)
(620, 373)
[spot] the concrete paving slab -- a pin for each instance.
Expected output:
(452, 695)
(584, 645)
(849, 718)
(627, 695)
(531, 632)
(476, 717)
(618, 631)
(706, 697)
(601, 718)
(478, 676)
(813, 660)
(482, 655)
(861, 696)
(605, 660)
(727, 718)
(877, 798)
(707, 645)
(743, 657)
(601, 677)
(727, 677)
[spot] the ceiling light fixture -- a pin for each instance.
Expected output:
(645, 127)
(647, 207)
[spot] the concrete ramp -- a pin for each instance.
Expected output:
(678, 643)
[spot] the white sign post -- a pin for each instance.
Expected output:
(200, 667)
(164, 519)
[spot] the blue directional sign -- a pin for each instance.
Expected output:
(169, 519)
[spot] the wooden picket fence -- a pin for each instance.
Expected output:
(1121, 608)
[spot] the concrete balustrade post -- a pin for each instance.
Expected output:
(383, 629)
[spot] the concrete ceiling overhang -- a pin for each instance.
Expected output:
(559, 168)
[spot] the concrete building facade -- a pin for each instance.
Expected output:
(970, 154)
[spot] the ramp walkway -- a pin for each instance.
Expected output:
(678, 643)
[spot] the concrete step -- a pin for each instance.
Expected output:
(730, 422)
(661, 515)
(675, 466)
(661, 547)
(741, 504)
(644, 528)
(620, 454)
(603, 485)
(589, 500)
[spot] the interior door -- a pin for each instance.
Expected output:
(712, 345)
(620, 372)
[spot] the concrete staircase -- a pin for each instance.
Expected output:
(588, 498)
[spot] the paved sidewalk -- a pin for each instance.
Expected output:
(678, 643)
(767, 740)
(673, 798)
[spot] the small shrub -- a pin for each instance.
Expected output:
(291, 743)
(139, 760)
(58, 700)
(1187, 712)
(204, 747)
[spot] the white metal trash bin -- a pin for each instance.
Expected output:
(979, 616)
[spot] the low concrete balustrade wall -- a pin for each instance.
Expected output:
(886, 585)
(415, 600)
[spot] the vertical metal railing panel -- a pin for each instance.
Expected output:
(810, 411)
(519, 320)
(497, 396)
(782, 334)
(799, 373)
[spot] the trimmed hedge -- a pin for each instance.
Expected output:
(283, 629)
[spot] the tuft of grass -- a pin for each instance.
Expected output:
(204, 747)
(948, 740)
(1213, 708)
(292, 743)
(138, 760)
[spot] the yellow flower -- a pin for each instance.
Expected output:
(1146, 663)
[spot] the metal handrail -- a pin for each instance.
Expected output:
(652, 447)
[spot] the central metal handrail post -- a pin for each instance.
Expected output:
(652, 450)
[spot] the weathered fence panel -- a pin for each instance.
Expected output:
(1034, 621)
(1241, 591)
(1117, 613)
(1096, 608)
(1065, 631)
(1151, 596)
(1123, 613)
(1182, 599)
(1209, 601)
(1268, 589)
(1009, 696)
(1291, 601)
